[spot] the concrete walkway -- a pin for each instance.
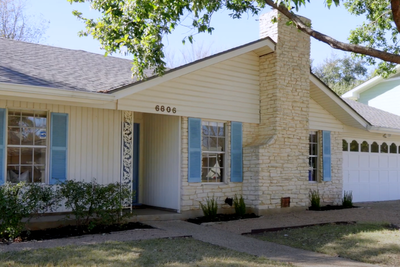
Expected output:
(252, 246)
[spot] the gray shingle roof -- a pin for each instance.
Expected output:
(42, 65)
(374, 116)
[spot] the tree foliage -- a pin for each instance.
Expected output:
(342, 74)
(139, 25)
(16, 25)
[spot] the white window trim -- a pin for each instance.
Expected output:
(317, 168)
(226, 153)
(47, 158)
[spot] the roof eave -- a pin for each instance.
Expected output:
(377, 129)
(39, 92)
(334, 97)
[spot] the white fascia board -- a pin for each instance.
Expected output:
(339, 101)
(376, 129)
(191, 67)
(21, 90)
(354, 93)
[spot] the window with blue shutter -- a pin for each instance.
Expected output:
(194, 150)
(236, 152)
(58, 148)
(2, 145)
(326, 155)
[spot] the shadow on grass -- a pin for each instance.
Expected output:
(372, 243)
(157, 252)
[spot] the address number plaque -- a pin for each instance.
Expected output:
(168, 109)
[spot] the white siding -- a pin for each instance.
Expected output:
(227, 91)
(94, 140)
(384, 96)
(161, 178)
(320, 119)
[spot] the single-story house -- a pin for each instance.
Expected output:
(250, 121)
(379, 92)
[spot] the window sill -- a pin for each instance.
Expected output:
(312, 182)
(207, 184)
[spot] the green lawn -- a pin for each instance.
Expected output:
(371, 243)
(158, 252)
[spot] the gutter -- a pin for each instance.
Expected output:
(20, 90)
(377, 129)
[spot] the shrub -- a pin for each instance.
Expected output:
(12, 210)
(210, 208)
(347, 200)
(315, 199)
(41, 199)
(93, 203)
(240, 206)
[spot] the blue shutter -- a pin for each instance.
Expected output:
(2, 144)
(58, 148)
(236, 152)
(326, 155)
(194, 146)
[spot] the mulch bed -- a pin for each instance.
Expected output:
(221, 218)
(72, 230)
(331, 207)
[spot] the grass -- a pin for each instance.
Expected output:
(156, 252)
(370, 243)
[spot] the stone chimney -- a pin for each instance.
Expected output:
(279, 157)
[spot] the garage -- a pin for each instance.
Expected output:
(371, 170)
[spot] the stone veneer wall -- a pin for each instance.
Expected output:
(193, 193)
(280, 153)
(275, 152)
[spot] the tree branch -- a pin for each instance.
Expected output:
(396, 12)
(333, 42)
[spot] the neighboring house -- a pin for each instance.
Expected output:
(379, 93)
(251, 121)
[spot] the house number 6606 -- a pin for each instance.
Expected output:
(165, 109)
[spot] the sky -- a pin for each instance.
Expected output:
(63, 28)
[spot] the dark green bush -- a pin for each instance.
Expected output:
(20, 202)
(93, 203)
(240, 206)
(210, 208)
(12, 209)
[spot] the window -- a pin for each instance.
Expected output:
(384, 148)
(374, 147)
(364, 146)
(26, 146)
(345, 145)
(213, 151)
(313, 156)
(354, 146)
(393, 148)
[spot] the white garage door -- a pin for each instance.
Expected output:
(371, 176)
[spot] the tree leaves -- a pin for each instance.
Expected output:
(138, 26)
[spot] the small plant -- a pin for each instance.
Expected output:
(210, 208)
(240, 206)
(347, 200)
(315, 199)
